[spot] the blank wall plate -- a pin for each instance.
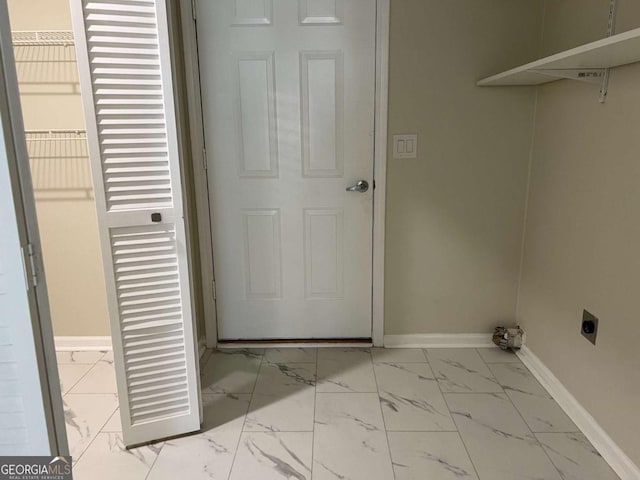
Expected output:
(405, 146)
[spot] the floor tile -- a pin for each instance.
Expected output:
(291, 355)
(231, 371)
(430, 455)
(461, 370)
(575, 457)
(246, 351)
(345, 370)
(411, 399)
(343, 353)
(71, 374)
(539, 410)
(499, 443)
(289, 412)
(85, 415)
(349, 438)
(273, 456)
(267, 416)
(208, 454)
(283, 399)
(516, 377)
(277, 377)
(541, 414)
(107, 458)
(100, 379)
(398, 355)
(113, 425)
(497, 355)
(64, 358)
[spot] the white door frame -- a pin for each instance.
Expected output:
(379, 171)
(46, 423)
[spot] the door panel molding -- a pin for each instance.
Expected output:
(325, 106)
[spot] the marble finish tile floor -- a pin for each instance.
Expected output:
(339, 414)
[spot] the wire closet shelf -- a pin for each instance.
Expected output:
(60, 162)
(42, 38)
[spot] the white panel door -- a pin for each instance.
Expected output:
(288, 101)
(125, 70)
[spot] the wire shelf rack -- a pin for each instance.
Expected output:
(37, 38)
(60, 163)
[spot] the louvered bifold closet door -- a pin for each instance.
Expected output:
(125, 72)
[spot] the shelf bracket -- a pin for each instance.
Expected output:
(611, 29)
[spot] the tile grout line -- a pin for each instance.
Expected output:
(523, 420)
(384, 423)
(82, 377)
(64, 403)
(253, 389)
(154, 460)
(466, 449)
(519, 413)
(313, 427)
(100, 430)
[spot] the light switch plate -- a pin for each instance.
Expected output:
(405, 146)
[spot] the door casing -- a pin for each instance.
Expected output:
(189, 16)
(41, 325)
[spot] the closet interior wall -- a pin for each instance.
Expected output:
(50, 95)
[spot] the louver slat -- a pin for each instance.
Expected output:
(156, 246)
(125, 72)
(127, 83)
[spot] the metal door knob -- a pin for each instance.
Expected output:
(362, 186)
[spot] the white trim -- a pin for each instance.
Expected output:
(439, 340)
(337, 344)
(83, 344)
(603, 443)
(380, 169)
(198, 162)
(202, 346)
(29, 330)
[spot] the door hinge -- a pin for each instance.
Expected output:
(32, 271)
(213, 289)
(193, 9)
(204, 158)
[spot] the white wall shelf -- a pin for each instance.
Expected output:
(585, 63)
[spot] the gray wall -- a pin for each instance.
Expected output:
(583, 227)
(455, 214)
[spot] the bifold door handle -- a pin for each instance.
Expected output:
(362, 186)
(156, 217)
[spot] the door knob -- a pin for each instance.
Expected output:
(362, 186)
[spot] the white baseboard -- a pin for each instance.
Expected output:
(613, 455)
(439, 340)
(232, 346)
(82, 344)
